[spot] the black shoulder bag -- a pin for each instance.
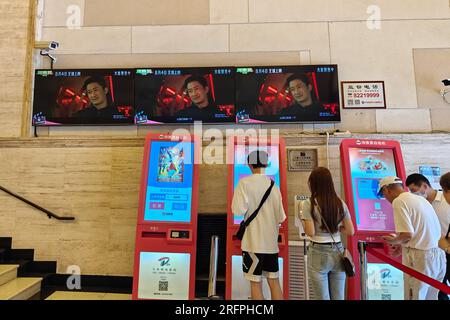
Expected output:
(347, 259)
(244, 224)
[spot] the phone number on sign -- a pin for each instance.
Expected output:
(366, 95)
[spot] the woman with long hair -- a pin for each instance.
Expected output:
(324, 217)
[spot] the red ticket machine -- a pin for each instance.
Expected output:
(238, 148)
(364, 164)
(166, 233)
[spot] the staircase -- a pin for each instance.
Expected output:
(21, 277)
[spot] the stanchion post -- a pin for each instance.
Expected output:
(213, 268)
(363, 269)
(305, 266)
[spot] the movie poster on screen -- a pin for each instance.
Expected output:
(171, 164)
(169, 186)
(363, 95)
(164, 276)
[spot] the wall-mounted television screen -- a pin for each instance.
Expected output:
(83, 97)
(184, 95)
(305, 94)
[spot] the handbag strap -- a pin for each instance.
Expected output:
(329, 231)
(255, 213)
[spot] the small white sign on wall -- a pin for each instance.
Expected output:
(363, 95)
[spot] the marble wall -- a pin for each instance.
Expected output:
(97, 181)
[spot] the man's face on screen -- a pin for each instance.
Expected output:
(198, 93)
(300, 91)
(97, 95)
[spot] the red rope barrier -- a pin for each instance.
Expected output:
(432, 282)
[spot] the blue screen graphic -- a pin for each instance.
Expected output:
(241, 169)
(169, 186)
(368, 166)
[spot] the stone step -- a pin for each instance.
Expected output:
(74, 295)
(20, 289)
(8, 272)
(5, 242)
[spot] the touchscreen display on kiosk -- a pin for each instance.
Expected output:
(368, 167)
(242, 170)
(169, 185)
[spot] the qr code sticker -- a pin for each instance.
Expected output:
(386, 297)
(163, 285)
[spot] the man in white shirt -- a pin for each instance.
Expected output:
(418, 231)
(444, 243)
(260, 242)
(420, 185)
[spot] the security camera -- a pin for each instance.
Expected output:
(46, 45)
(446, 82)
(53, 45)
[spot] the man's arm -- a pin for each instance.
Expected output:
(399, 238)
(444, 244)
(280, 209)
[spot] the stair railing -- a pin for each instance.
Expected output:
(49, 213)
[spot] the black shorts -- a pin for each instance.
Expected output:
(257, 265)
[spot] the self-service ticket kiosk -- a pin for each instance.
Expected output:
(238, 148)
(165, 253)
(364, 164)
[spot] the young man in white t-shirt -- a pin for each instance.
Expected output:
(444, 243)
(260, 242)
(420, 185)
(418, 231)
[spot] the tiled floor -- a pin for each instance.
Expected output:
(65, 295)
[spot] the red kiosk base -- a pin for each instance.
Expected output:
(238, 148)
(166, 234)
(364, 163)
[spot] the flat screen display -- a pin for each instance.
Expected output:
(305, 94)
(185, 95)
(240, 287)
(83, 97)
(384, 282)
(164, 275)
(169, 185)
(368, 167)
(241, 169)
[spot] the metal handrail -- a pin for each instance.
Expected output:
(49, 213)
(363, 269)
(213, 268)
